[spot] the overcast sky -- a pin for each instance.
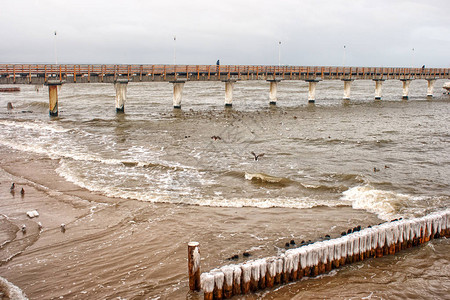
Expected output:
(314, 32)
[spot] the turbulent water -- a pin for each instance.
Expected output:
(191, 173)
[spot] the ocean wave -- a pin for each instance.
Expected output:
(36, 126)
(264, 178)
(11, 291)
(386, 204)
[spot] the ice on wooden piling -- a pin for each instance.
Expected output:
(219, 278)
(381, 236)
(401, 229)
(323, 253)
(196, 259)
(246, 272)
(362, 241)
(331, 250)
(350, 239)
(272, 266)
(288, 263)
(207, 282)
(262, 268)
(294, 256)
(368, 235)
(280, 264)
(255, 272)
(237, 273)
(389, 234)
(228, 275)
(356, 237)
(312, 258)
(337, 248)
(343, 246)
(302, 257)
(407, 231)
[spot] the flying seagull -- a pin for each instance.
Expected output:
(257, 156)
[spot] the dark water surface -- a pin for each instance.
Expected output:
(136, 187)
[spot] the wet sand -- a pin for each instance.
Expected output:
(132, 249)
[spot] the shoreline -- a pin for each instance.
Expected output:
(93, 220)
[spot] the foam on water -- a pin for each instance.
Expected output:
(385, 204)
(11, 291)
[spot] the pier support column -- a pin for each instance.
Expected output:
(121, 94)
(406, 83)
(177, 92)
(312, 90)
(378, 85)
(430, 89)
(229, 92)
(53, 96)
(273, 91)
(347, 86)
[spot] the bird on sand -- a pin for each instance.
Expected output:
(11, 189)
(257, 156)
(24, 228)
(22, 192)
(63, 227)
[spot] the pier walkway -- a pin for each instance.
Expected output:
(178, 75)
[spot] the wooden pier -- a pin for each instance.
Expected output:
(178, 75)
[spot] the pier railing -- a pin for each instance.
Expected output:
(83, 73)
(314, 259)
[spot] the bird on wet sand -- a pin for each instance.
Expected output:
(63, 227)
(22, 192)
(11, 189)
(257, 156)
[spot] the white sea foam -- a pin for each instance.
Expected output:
(12, 291)
(383, 203)
(34, 126)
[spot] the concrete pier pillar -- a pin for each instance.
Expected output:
(177, 92)
(53, 96)
(347, 86)
(229, 84)
(430, 89)
(378, 85)
(406, 83)
(121, 94)
(312, 90)
(273, 91)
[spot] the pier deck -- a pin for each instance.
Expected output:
(40, 74)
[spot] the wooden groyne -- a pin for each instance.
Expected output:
(317, 258)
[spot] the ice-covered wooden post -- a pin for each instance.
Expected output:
(207, 280)
(246, 276)
(194, 266)
(228, 282)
